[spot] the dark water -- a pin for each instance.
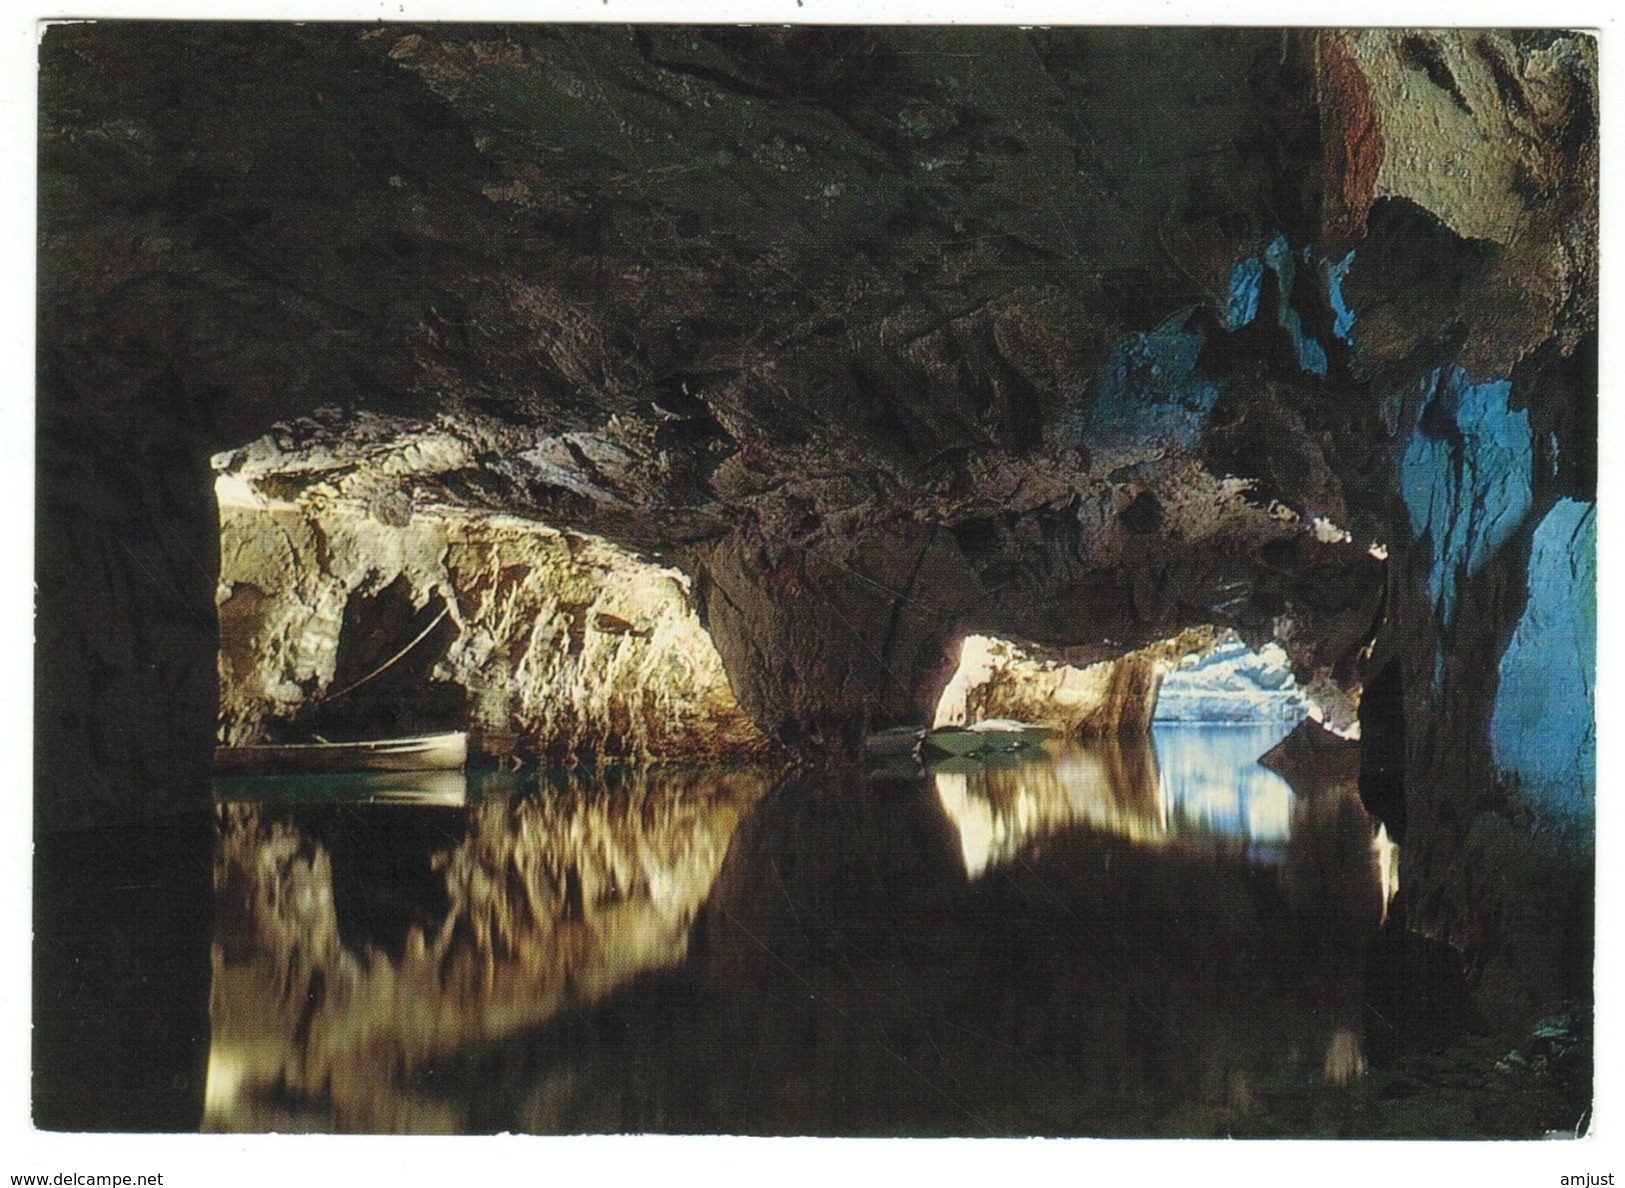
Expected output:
(1131, 937)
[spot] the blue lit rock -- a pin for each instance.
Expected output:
(1466, 480)
(1150, 387)
(1543, 732)
(1243, 292)
(1233, 683)
(1336, 272)
(1311, 355)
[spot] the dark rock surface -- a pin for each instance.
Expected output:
(885, 334)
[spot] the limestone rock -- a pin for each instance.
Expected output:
(998, 679)
(548, 645)
(1232, 683)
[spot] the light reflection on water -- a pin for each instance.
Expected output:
(1120, 937)
(1199, 785)
(1209, 781)
(366, 923)
(423, 789)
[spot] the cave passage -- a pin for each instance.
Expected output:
(346, 615)
(1131, 932)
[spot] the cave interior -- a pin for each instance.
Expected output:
(704, 395)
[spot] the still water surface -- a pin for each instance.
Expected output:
(1125, 937)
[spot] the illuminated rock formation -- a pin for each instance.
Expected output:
(998, 679)
(348, 609)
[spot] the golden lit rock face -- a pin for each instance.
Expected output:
(520, 908)
(559, 644)
(999, 679)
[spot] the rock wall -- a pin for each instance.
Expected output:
(1543, 729)
(1500, 848)
(1493, 132)
(824, 642)
(998, 679)
(127, 547)
(553, 645)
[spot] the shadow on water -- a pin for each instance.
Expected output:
(121, 958)
(1128, 937)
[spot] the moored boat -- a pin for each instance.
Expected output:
(993, 734)
(425, 752)
(896, 740)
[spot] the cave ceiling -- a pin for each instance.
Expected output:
(1077, 335)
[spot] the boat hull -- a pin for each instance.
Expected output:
(953, 742)
(430, 752)
(982, 738)
(899, 740)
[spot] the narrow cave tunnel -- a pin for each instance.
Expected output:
(678, 459)
(383, 675)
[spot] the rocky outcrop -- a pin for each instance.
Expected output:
(822, 642)
(349, 607)
(821, 637)
(998, 679)
(1473, 126)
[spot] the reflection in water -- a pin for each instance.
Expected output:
(356, 937)
(1387, 867)
(1198, 785)
(1212, 782)
(1102, 939)
(1001, 805)
(425, 789)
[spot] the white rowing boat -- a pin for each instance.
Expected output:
(994, 734)
(425, 752)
